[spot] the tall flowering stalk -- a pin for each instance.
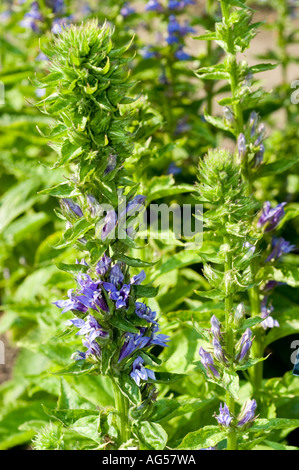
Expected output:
(249, 250)
(234, 33)
(229, 341)
(100, 204)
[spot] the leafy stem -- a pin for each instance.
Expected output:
(123, 420)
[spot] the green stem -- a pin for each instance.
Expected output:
(122, 407)
(233, 72)
(229, 303)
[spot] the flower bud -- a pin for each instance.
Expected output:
(241, 147)
(239, 315)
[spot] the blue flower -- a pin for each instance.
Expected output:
(218, 351)
(269, 321)
(154, 5)
(144, 312)
(258, 157)
(174, 27)
(88, 296)
(111, 164)
(119, 296)
(173, 169)
(92, 299)
(93, 349)
(148, 53)
(72, 303)
(141, 373)
(279, 247)
(32, 18)
(127, 10)
(132, 343)
(174, 5)
(89, 327)
(244, 346)
(109, 225)
(242, 146)
(180, 54)
(224, 418)
(138, 278)
(70, 207)
(247, 413)
(41, 57)
(271, 285)
(102, 266)
(208, 362)
(78, 355)
(270, 218)
(134, 206)
(159, 339)
(58, 6)
(116, 276)
(215, 328)
(59, 24)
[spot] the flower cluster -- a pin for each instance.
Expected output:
(176, 30)
(251, 142)
(34, 17)
(219, 358)
(269, 321)
(244, 419)
(268, 221)
(112, 286)
(127, 10)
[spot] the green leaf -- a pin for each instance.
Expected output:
(179, 260)
(80, 367)
(262, 68)
(218, 122)
(239, 3)
(230, 382)
(69, 152)
(288, 274)
(151, 436)
(251, 362)
(119, 322)
(277, 167)
(262, 425)
(209, 436)
(60, 190)
(72, 268)
(88, 426)
(167, 377)
(163, 186)
(129, 388)
(168, 408)
(72, 234)
(17, 200)
(24, 226)
(145, 291)
(210, 294)
(134, 262)
(69, 417)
